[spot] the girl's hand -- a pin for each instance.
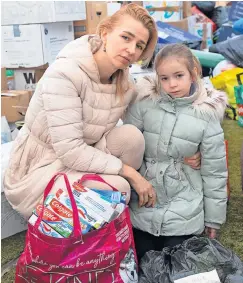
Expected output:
(211, 232)
(194, 161)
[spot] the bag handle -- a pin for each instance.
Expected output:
(238, 77)
(95, 177)
(77, 231)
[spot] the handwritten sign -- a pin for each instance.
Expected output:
(205, 277)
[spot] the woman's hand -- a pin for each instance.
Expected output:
(145, 191)
(211, 233)
(194, 161)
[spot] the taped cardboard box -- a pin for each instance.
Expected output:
(164, 11)
(34, 12)
(80, 28)
(96, 11)
(14, 104)
(34, 45)
(26, 79)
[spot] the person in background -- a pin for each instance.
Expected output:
(70, 125)
(177, 119)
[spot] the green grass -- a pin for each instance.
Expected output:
(231, 232)
(12, 247)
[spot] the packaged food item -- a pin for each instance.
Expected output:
(44, 228)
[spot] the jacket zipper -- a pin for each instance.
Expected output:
(177, 170)
(188, 178)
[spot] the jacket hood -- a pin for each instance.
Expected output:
(204, 101)
(81, 51)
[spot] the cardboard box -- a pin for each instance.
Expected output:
(203, 18)
(182, 24)
(203, 30)
(3, 79)
(96, 11)
(27, 79)
(80, 28)
(222, 3)
(164, 11)
(35, 12)
(14, 104)
(170, 34)
(34, 45)
(187, 9)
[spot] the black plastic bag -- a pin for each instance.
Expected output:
(193, 256)
(231, 49)
(220, 15)
(204, 6)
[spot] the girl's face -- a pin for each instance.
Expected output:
(175, 78)
(126, 42)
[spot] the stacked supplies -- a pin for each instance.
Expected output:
(96, 208)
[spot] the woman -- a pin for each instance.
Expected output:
(70, 123)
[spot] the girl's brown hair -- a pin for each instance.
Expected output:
(140, 14)
(182, 52)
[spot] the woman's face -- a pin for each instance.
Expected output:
(126, 42)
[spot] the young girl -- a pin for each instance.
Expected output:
(177, 120)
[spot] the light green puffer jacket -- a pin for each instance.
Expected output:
(187, 199)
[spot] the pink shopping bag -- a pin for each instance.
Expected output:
(106, 255)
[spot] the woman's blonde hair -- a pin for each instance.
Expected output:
(140, 14)
(182, 52)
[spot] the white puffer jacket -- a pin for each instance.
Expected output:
(65, 125)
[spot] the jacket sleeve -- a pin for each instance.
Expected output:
(134, 116)
(214, 174)
(64, 111)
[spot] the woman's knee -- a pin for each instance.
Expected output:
(116, 181)
(127, 143)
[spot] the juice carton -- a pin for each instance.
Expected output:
(54, 221)
(94, 201)
(44, 228)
